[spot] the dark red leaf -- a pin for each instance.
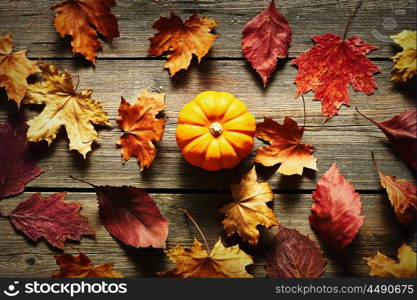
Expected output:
(51, 218)
(335, 214)
(266, 37)
(131, 215)
(16, 165)
(294, 255)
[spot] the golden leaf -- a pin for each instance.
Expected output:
(182, 40)
(249, 208)
(14, 69)
(197, 263)
(64, 107)
(382, 266)
(405, 61)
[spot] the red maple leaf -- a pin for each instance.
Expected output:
(335, 214)
(16, 165)
(287, 257)
(330, 66)
(401, 131)
(266, 37)
(131, 215)
(51, 218)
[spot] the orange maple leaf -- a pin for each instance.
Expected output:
(81, 267)
(249, 209)
(382, 266)
(82, 20)
(285, 147)
(14, 69)
(330, 66)
(141, 127)
(182, 40)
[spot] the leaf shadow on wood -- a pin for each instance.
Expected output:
(408, 89)
(255, 77)
(147, 261)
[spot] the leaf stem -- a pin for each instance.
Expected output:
(187, 214)
(164, 6)
(305, 115)
(38, 17)
(82, 180)
(370, 120)
(349, 22)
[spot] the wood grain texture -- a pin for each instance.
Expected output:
(347, 139)
(375, 22)
(381, 231)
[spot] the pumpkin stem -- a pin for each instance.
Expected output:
(216, 129)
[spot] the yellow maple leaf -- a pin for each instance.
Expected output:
(249, 208)
(64, 107)
(382, 266)
(15, 68)
(222, 262)
(405, 61)
(182, 40)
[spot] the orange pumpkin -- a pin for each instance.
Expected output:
(215, 131)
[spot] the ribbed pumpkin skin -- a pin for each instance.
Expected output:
(200, 146)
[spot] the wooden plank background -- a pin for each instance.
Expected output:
(123, 69)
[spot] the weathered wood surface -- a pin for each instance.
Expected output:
(346, 139)
(123, 69)
(20, 257)
(375, 22)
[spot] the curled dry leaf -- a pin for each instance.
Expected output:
(51, 218)
(382, 266)
(64, 107)
(266, 37)
(83, 20)
(182, 40)
(294, 255)
(403, 197)
(335, 214)
(405, 61)
(131, 215)
(249, 208)
(401, 131)
(82, 267)
(330, 66)
(285, 147)
(15, 68)
(141, 127)
(16, 164)
(196, 262)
